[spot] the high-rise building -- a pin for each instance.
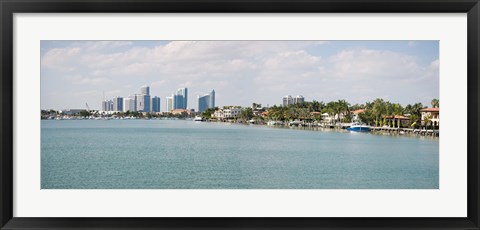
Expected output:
(133, 107)
(298, 99)
(155, 104)
(169, 103)
(128, 105)
(203, 102)
(178, 101)
(118, 104)
(107, 105)
(104, 105)
(143, 103)
(206, 101)
(145, 90)
(287, 100)
(184, 93)
(212, 99)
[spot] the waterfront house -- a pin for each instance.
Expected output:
(397, 121)
(355, 115)
(182, 111)
(227, 112)
(431, 116)
(327, 119)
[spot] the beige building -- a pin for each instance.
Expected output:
(231, 112)
(433, 114)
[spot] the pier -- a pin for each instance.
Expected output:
(422, 132)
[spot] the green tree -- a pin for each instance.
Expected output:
(207, 114)
(85, 113)
(378, 110)
(435, 103)
(246, 114)
(427, 120)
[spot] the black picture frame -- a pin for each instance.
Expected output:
(9, 7)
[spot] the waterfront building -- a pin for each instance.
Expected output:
(227, 112)
(206, 101)
(169, 103)
(287, 100)
(183, 92)
(397, 121)
(298, 99)
(128, 105)
(155, 104)
(118, 104)
(182, 111)
(432, 114)
(356, 115)
(329, 119)
(145, 90)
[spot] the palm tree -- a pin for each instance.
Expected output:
(343, 108)
(331, 109)
(435, 103)
(427, 120)
(317, 106)
(378, 110)
(397, 110)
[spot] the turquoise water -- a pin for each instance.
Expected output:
(179, 154)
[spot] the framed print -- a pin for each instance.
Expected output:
(264, 114)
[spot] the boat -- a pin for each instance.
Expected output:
(198, 118)
(295, 123)
(274, 123)
(356, 127)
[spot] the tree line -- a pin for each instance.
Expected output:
(374, 113)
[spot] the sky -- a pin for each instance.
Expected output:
(74, 73)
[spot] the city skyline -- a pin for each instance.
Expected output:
(77, 72)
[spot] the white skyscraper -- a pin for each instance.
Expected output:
(287, 100)
(128, 105)
(107, 105)
(298, 99)
(169, 103)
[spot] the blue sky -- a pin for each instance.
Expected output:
(241, 72)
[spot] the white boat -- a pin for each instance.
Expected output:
(295, 123)
(198, 118)
(274, 123)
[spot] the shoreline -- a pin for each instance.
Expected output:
(383, 131)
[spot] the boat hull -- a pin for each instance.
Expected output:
(359, 129)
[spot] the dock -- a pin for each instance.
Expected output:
(422, 132)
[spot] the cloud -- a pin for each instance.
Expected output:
(242, 71)
(61, 59)
(82, 80)
(368, 64)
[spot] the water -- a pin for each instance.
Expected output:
(179, 154)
